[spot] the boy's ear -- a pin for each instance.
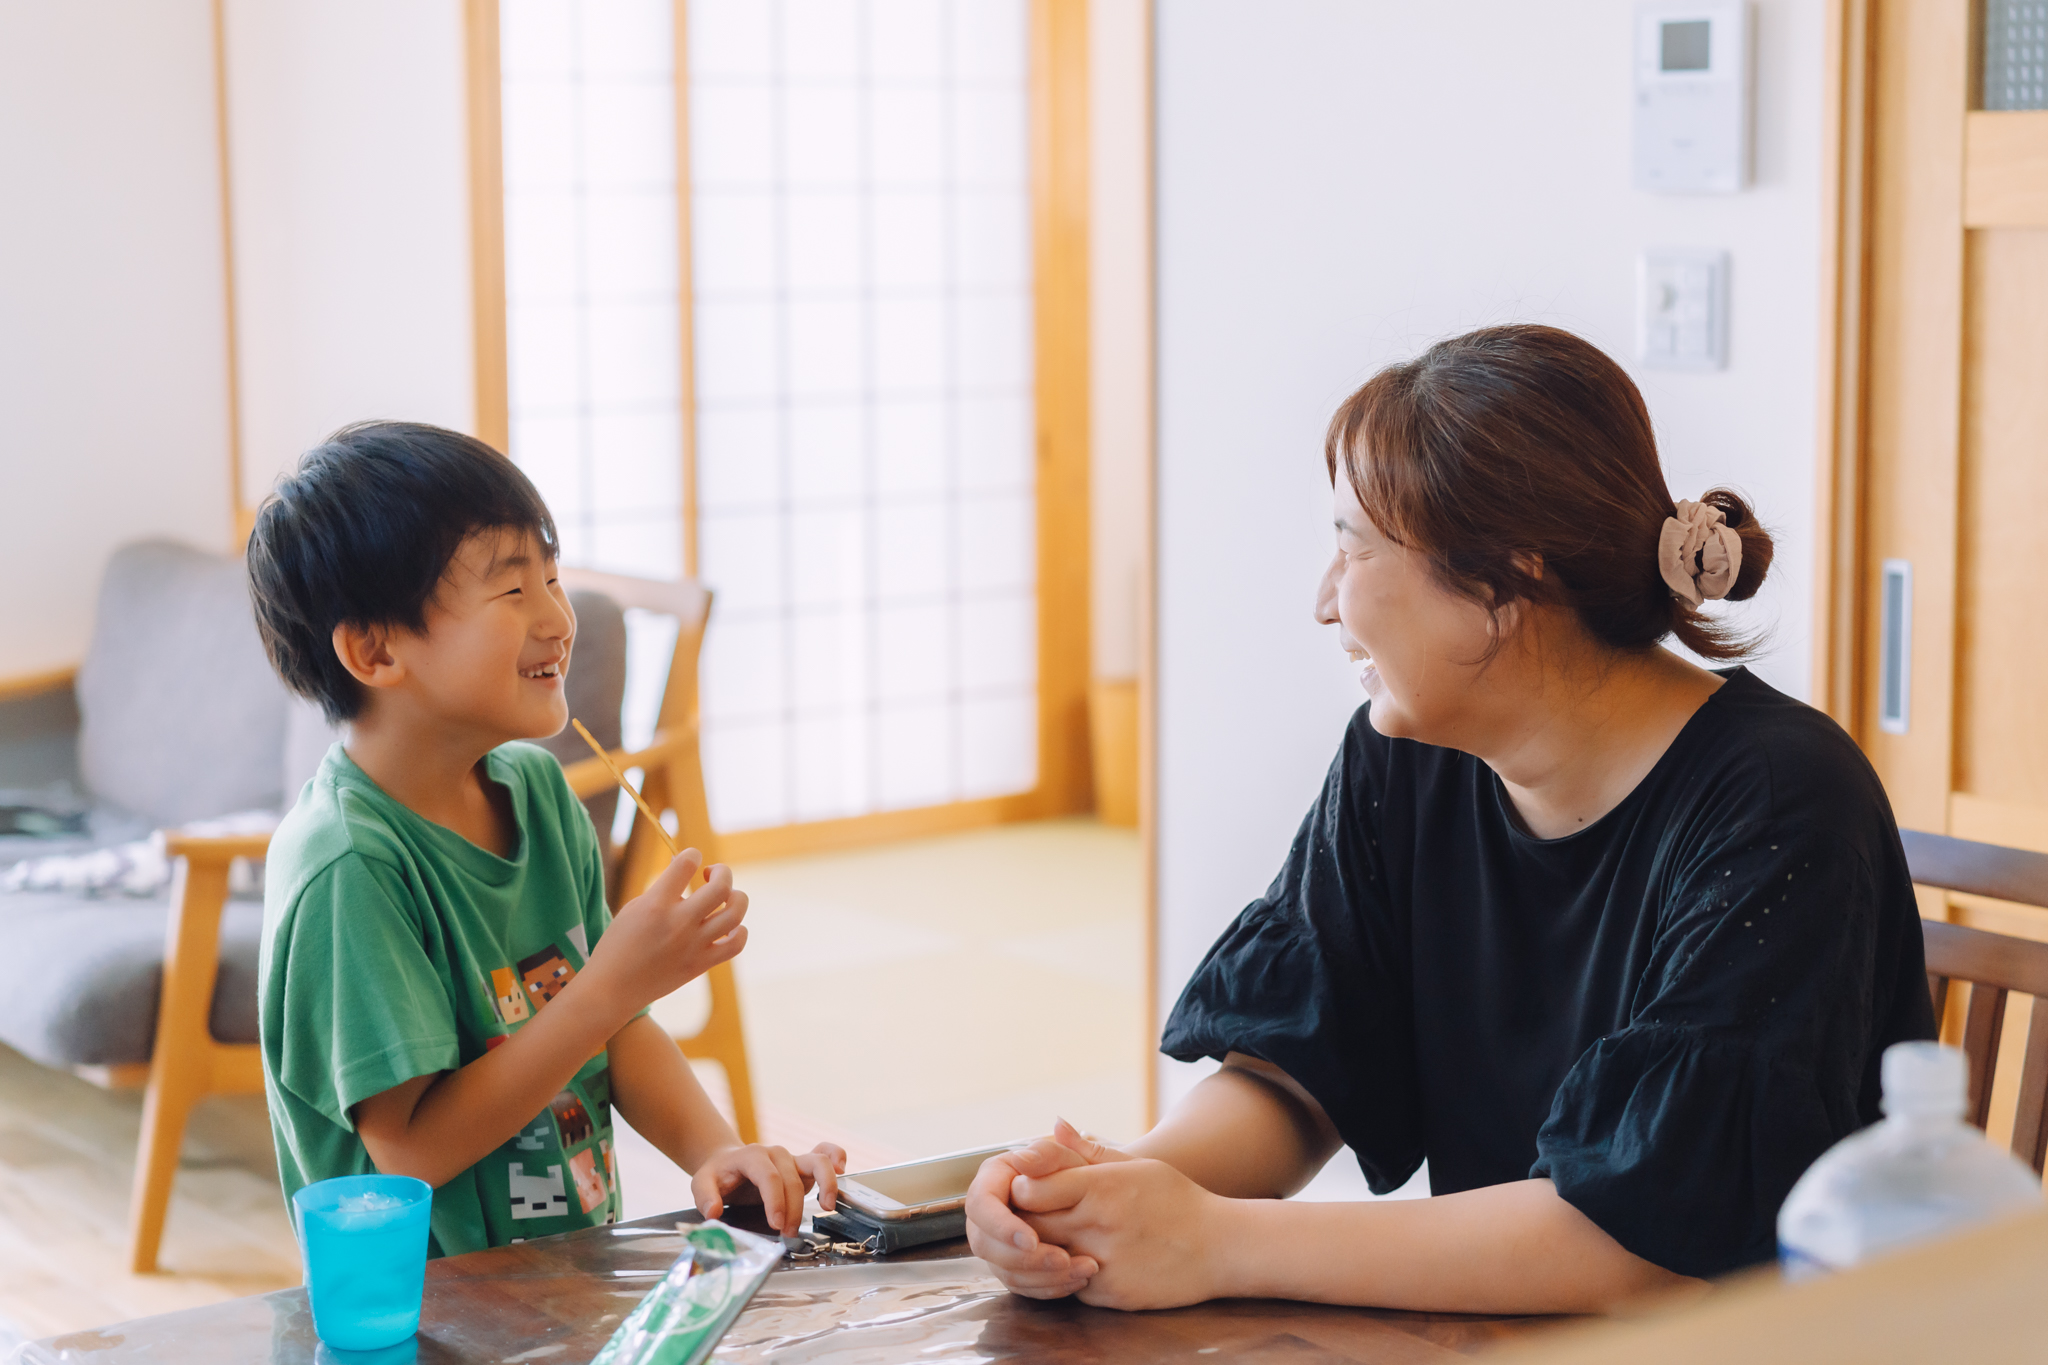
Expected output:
(365, 651)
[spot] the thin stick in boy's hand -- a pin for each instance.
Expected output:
(626, 786)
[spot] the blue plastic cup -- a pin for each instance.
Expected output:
(364, 1238)
(406, 1352)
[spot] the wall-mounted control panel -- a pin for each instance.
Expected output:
(1682, 309)
(1692, 91)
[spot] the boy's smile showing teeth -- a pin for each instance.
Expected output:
(547, 670)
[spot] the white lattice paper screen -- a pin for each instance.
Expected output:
(591, 274)
(860, 224)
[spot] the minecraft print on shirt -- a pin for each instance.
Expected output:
(506, 997)
(572, 1120)
(590, 1186)
(537, 1196)
(534, 1137)
(545, 973)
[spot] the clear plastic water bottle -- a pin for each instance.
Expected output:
(1919, 1174)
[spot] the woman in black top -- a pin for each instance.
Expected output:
(1612, 941)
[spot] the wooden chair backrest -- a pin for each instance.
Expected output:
(676, 783)
(678, 786)
(1994, 966)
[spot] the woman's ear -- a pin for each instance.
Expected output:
(365, 651)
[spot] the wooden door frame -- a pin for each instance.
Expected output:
(1059, 160)
(1840, 457)
(1913, 168)
(1890, 448)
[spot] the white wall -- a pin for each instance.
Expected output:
(349, 174)
(1341, 182)
(113, 352)
(350, 171)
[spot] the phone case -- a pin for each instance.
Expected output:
(848, 1226)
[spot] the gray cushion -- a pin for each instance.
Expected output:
(181, 716)
(89, 977)
(94, 968)
(596, 693)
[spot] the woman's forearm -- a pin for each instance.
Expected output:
(1516, 1248)
(1246, 1132)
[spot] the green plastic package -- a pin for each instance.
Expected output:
(680, 1322)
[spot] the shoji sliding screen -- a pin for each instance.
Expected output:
(783, 326)
(593, 308)
(860, 210)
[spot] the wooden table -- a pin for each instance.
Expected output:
(557, 1300)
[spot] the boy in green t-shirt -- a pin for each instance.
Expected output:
(443, 993)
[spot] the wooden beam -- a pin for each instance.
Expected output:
(1148, 591)
(1844, 347)
(1914, 389)
(889, 826)
(686, 280)
(35, 684)
(243, 517)
(2005, 169)
(487, 222)
(1059, 222)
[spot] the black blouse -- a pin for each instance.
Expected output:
(1669, 1013)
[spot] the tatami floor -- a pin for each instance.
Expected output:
(900, 1001)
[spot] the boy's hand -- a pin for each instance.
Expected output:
(778, 1179)
(669, 935)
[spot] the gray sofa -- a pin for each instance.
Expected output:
(176, 716)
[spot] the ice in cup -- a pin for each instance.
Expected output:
(364, 1238)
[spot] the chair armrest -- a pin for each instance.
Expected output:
(216, 851)
(589, 777)
(685, 598)
(23, 685)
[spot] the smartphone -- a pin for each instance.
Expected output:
(915, 1189)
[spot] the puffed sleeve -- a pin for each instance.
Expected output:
(1746, 1055)
(1313, 976)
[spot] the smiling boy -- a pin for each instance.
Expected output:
(443, 992)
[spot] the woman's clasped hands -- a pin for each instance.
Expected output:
(1069, 1215)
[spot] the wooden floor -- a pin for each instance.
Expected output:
(67, 1154)
(851, 959)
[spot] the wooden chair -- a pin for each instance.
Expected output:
(674, 783)
(188, 1064)
(1993, 965)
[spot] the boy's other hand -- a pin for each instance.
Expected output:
(772, 1175)
(670, 935)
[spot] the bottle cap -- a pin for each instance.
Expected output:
(1924, 1078)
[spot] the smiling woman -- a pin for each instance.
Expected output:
(1612, 942)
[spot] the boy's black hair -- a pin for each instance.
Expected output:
(361, 533)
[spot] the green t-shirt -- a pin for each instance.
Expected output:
(393, 947)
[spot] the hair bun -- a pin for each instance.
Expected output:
(1757, 546)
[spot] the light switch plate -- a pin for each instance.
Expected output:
(1682, 309)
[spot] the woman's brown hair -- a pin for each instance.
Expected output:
(1520, 461)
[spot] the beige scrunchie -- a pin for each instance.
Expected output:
(1698, 553)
